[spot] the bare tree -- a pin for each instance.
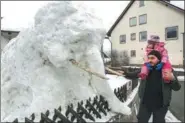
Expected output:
(120, 58)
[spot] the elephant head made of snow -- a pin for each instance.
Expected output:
(36, 71)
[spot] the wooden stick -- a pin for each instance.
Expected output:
(87, 69)
(114, 72)
(115, 68)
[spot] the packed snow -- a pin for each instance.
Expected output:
(180, 78)
(107, 60)
(131, 67)
(179, 69)
(4, 42)
(36, 74)
(116, 81)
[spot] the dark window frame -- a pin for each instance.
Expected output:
(130, 20)
(177, 29)
(139, 19)
(146, 36)
(131, 37)
(131, 53)
(125, 39)
(141, 5)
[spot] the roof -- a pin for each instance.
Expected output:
(105, 55)
(130, 4)
(5, 26)
(10, 31)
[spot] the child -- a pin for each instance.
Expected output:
(155, 44)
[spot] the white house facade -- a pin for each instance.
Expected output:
(141, 19)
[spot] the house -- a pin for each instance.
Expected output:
(139, 20)
(6, 36)
(9, 34)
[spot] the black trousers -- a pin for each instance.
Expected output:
(145, 113)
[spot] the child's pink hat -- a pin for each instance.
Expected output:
(154, 38)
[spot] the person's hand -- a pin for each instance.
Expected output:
(159, 66)
(169, 75)
(119, 71)
(149, 66)
(125, 72)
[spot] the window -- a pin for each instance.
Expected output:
(133, 21)
(133, 36)
(141, 3)
(133, 53)
(9, 33)
(171, 33)
(143, 36)
(122, 39)
(143, 19)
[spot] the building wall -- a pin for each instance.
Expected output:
(4, 42)
(159, 17)
(9, 35)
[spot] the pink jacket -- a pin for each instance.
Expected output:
(159, 46)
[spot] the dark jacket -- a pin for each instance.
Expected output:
(166, 87)
(153, 97)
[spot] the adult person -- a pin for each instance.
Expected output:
(155, 93)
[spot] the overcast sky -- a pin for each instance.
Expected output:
(20, 14)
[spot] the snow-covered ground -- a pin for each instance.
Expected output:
(180, 78)
(132, 66)
(116, 81)
(107, 60)
(179, 69)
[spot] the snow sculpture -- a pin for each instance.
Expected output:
(36, 74)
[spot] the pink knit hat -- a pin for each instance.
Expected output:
(154, 38)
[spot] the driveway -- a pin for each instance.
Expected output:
(177, 103)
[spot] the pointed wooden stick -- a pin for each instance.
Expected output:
(112, 71)
(87, 69)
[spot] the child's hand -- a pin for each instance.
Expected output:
(169, 75)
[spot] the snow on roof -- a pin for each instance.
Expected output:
(177, 4)
(11, 29)
(5, 26)
(8, 25)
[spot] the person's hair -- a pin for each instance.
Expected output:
(156, 53)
